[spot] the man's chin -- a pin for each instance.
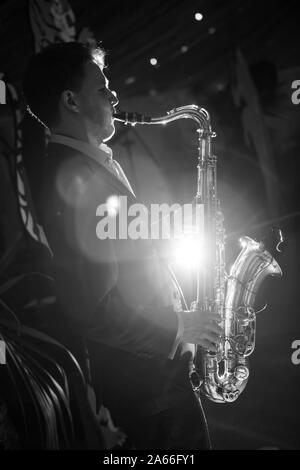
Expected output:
(109, 134)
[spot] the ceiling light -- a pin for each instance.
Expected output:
(153, 61)
(198, 16)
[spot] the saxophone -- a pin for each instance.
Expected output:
(221, 375)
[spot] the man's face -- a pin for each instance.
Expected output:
(96, 105)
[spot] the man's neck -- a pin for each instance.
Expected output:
(82, 136)
(72, 132)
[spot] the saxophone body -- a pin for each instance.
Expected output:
(223, 375)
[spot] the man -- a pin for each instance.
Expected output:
(114, 293)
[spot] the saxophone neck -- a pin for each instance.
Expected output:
(200, 115)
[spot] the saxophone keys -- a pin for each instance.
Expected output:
(241, 373)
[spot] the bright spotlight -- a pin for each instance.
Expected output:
(189, 251)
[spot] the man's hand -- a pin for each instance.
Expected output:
(201, 328)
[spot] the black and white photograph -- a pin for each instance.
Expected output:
(149, 228)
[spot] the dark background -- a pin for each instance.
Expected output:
(161, 162)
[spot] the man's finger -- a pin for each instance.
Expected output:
(205, 343)
(211, 315)
(215, 328)
(211, 336)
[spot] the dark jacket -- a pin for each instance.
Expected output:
(111, 291)
(111, 288)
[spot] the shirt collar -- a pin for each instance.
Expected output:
(99, 154)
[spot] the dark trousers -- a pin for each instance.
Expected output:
(182, 427)
(154, 405)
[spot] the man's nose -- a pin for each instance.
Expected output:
(113, 98)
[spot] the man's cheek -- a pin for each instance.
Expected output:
(96, 115)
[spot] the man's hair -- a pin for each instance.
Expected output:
(56, 68)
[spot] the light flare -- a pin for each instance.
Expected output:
(189, 251)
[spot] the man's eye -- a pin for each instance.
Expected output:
(103, 90)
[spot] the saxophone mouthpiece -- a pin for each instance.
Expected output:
(132, 118)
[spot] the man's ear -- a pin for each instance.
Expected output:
(69, 100)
